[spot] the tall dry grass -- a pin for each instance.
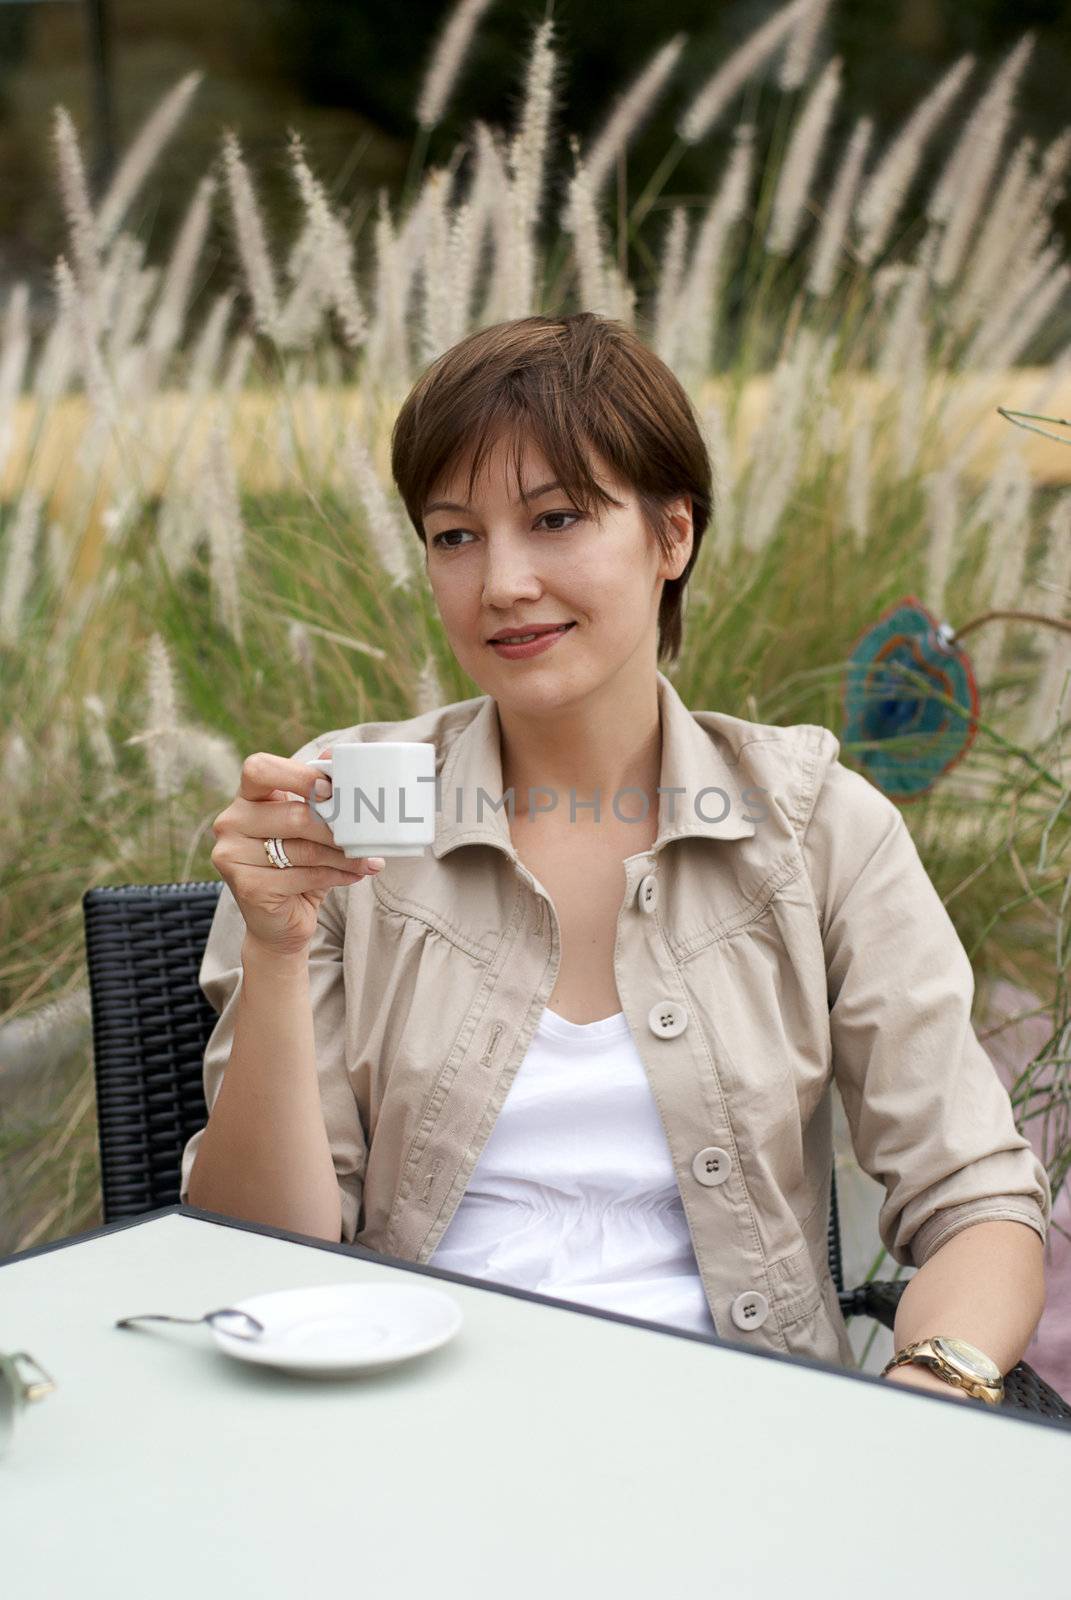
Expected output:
(167, 604)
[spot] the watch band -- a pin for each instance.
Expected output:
(984, 1383)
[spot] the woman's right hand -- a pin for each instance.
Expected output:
(280, 904)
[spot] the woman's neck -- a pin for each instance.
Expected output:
(608, 742)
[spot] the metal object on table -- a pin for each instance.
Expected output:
(228, 1319)
(15, 1392)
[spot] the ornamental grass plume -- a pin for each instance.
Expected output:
(1005, 552)
(81, 223)
(332, 250)
(515, 290)
(528, 147)
(14, 347)
(21, 540)
(386, 533)
(386, 348)
(76, 312)
(208, 346)
(697, 302)
(492, 190)
(236, 368)
(299, 644)
(999, 241)
(775, 464)
(709, 104)
(301, 313)
(802, 46)
(907, 326)
(179, 529)
(169, 314)
(801, 159)
(16, 764)
(959, 193)
(251, 238)
(160, 735)
(447, 60)
(128, 285)
(37, 1044)
(55, 363)
(437, 322)
(142, 154)
(14, 359)
(400, 262)
(581, 218)
(1052, 701)
(174, 749)
(212, 758)
(630, 112)
(1025, 304)
(670, 281)
(226, 534)
(464, 232)
(102, 750)
(429, 690)
(836, 219)
(884, 193)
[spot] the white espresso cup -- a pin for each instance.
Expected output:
(377, 806)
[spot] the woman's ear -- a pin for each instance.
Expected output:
(679, 524)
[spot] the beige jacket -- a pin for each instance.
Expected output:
(796, 940)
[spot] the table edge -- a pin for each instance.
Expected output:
(427, 1269)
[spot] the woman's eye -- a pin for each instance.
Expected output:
(448, 533)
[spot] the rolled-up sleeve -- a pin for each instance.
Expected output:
(929, 1117)
(220, 978)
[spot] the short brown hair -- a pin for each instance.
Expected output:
(561, 382)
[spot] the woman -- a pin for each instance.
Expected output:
(586, 1045)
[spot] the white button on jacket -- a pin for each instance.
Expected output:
(667, 1019)
(648, 892)
(795, 939)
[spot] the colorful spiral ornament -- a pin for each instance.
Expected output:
(905, 679)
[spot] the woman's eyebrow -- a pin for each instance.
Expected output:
(526, 496)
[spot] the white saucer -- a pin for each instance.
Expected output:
(344, 1327)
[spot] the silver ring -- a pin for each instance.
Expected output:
(276, 854)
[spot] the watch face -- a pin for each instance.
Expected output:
(969, 1359)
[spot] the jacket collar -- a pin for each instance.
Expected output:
(691, 761)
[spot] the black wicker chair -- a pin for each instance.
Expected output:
(151, 1023)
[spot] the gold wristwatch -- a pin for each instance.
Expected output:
(962, 1365)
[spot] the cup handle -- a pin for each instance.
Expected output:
(320, 765)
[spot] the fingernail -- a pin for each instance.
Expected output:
(375, 863)
(322, 788)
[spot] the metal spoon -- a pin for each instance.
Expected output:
(242, 1325)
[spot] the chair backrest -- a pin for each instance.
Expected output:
(151, 1023)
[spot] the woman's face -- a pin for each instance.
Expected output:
(501, 565)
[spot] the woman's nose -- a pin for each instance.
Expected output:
(509, 575)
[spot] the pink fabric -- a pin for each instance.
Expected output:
(1049, 1351)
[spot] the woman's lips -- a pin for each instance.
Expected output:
(534, 647)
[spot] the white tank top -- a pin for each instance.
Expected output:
(574, 1193)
